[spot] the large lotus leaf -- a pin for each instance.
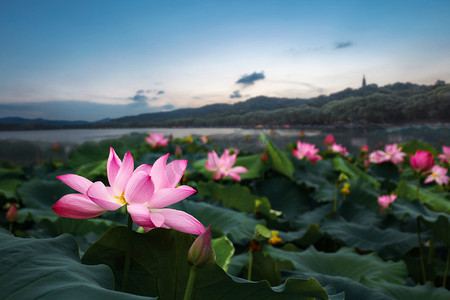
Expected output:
(364, 193)
(367, 269)
(441, 228)
(39, 196)
(436, 202)
(388, 243)
(353, 171)
(90, 152)
(235, 196)
(280, 162)
(93, 171)
(42, 194)
(236, 225)
(413, 145)
(224, 250)
(159, 267)
(353, 289)
(266, 268)
(314, 174)
(9, 181)
(384, 171)
(326, 192)
(51, 269)
(306, 235)
(252, 163)
(415, 209)
(438, 223)
(356, 213)
(419, 292)
(285, 196)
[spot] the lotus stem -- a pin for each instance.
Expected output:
(250, 266)
(126, 267)
(444, 281)
(431, 253)
(190, 284)
(422, 264)
(335, 199)
(11, 227)
(418, 186)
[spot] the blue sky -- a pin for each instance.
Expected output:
(88, 60)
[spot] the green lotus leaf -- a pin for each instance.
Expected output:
(236, 225)
(436, 202)
(224, 250)
(51, 269)
(159, 268)
(280, 162)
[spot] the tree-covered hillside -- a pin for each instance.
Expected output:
(398, 103)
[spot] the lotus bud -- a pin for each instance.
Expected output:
(257, 205)
(365, 149)
(11, 214)
(264, 157)
(342, 177)
(178, 152)
(204, 139)
(329, 140)
(346, 189)
(201, 251)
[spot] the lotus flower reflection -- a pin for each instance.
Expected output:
(145, 191)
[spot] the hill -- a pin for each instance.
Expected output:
(392, 104)
(395, 104)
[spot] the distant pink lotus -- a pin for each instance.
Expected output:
(329, 140)
(204, 139)
(157, 140)
(386, 200)
(145, 191)
(365, 149)
(305, 150)
(223, 166)
(338, 148)
(438, 175)
(445, 156)
(392, 153)
(421, 161)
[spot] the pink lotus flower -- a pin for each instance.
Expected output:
(365, 149)
(338, 148)
(445, 156)
(306, 150)
(421, 161)
(395, 153)
(157, 140)
(223, 166)
(438, 174)
(204, 139)
(386, 200)
(145, 191)
(392, 153)
(329, 140)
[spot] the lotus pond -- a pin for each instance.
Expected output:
(294, 223)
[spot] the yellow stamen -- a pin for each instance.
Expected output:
(121, 199)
